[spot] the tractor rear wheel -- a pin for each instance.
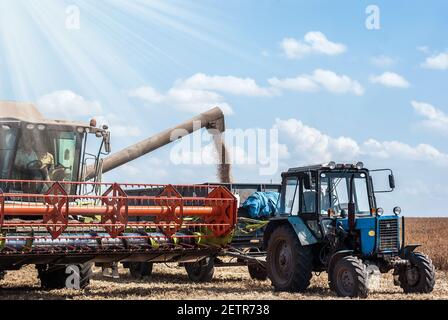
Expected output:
(289, 264)
(350, 278)
(140, 270)
(55, 276)
(420, 276)
(201, 271)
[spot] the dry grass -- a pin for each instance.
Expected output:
(171, 282)
(432, 234)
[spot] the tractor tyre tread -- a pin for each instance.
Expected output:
(426, 271)
(361, 278)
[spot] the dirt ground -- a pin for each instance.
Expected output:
(171, 282)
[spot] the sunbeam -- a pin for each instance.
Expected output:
(117, 45)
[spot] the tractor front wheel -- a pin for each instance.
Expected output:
(289, 264)
(201, 271)
(350, 278)
(420, 276)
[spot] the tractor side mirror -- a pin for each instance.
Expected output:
(392, 181)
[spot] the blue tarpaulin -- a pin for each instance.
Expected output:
(262, 204)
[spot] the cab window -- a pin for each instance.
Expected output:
(291, 199)
(8, 139)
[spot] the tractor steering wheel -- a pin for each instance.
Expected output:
(34, 165)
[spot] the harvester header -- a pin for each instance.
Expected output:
(168, 218)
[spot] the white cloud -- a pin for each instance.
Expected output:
(227, 84)
(396, 149)
(183, 99)
(382, 61)
(435, 120)
(310, 145)
(117, 126)
(390, 79)
(301, 83)
(196, 101)
(314, 42)
(320, 79)
(65, 104)
(147, 93)
(200, 92)
(437, 61)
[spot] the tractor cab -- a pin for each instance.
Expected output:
(331, 196)
(34, 148)
(328, 220)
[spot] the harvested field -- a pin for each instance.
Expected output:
(432, 234)
(171, 282)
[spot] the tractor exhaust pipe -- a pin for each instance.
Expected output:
(211, 120)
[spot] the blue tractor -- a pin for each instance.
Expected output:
(328, 220)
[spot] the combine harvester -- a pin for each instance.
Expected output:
(52, 217)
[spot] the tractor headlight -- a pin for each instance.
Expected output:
(397, 211)
(379, 212)
(359, 165)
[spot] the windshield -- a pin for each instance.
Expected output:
(335, 192)
(39, 153)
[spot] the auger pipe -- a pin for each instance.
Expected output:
(212, 119)
(133, 211)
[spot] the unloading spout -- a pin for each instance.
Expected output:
(212, 119)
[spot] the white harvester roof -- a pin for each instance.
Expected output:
(28, 112)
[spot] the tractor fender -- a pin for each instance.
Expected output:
(408, 249)
(304, 234)
(335, 258)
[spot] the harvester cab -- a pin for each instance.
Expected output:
(55, 212)
(33, 148)
(329, 220)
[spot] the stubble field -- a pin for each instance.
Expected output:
(171, 282)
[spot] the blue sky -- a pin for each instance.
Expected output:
(353, 94)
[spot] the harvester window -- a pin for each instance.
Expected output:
(42, 154)
(8, 138)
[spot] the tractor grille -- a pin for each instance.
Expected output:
(388, 234)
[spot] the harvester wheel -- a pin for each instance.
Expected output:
(55, 276)
(420, 276)
(201, 271)
(350, 278)
(289, 264)
(140, 270)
